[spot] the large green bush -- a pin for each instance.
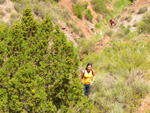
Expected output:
(38, 69)
(16, 0)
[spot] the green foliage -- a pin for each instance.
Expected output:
(109, 32)
(82, 35)
(79, 8)
(2, 13)
(101, 25)
(85, 4)
(100, 7)
(16, 0)
(56, 0)
(128, 18)
(14, 15)
(36, 76)
(66, 14)
(99, 19)
(120, 4)
(18, 7)
(88, 46)
(141, 87)
(88, 15)
(131, 11)
(8, 10)
(38, 11)
(143, 26)
(120, 71)
(123, 32)
(98, 25)
(74, 28)
(142, 10)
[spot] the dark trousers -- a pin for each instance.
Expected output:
(86, 89)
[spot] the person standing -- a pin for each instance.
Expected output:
(86, 79)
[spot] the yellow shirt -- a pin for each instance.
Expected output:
(87, 77)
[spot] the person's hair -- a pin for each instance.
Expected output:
(89, 64)
(110, 19)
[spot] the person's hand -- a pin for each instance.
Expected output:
(91, 83)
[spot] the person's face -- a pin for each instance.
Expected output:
(89, 68)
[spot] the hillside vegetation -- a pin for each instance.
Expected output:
(122, 68)
(39, 66)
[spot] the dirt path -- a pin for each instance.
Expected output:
(145, 104)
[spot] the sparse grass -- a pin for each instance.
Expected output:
(82, 35)
(71, 25)
(2, 13)
(78, 10)
(131, 11)
(16, 0)
(100, 7)
(144, 25)
(128, 18)
(86, 46)
(109, 32)
(122, 31)
(38, 11)
(76, 30)
(135, 24)
(18, 7)
(118, 16)
(74, 1)
(141, 87)
(57, 10)
(66, 14)
(8, 10)
(11, 21)
(123, 18)
(99, 18)
(14, 15)
(125, 9)
(142, 10)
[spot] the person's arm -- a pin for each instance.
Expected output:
(93, 77)
(81, 76)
